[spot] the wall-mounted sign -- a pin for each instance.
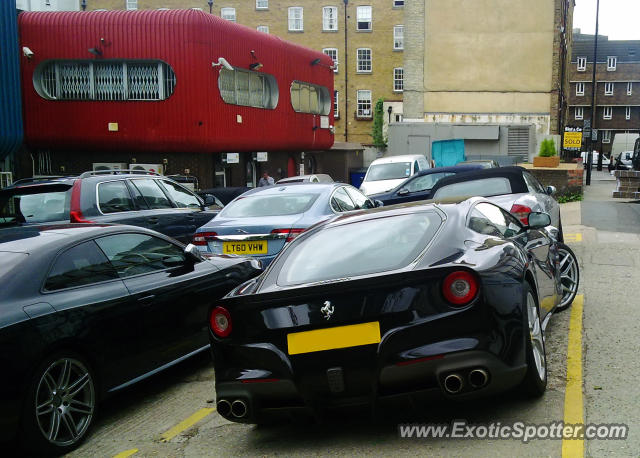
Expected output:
(233, 158)
(262, 156)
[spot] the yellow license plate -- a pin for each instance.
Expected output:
(248, 247)
(331, 338)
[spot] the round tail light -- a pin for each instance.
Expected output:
(220, 322)
(460, 288)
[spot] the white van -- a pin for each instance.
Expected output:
(386, 173)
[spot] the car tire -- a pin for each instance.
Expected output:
(534, 383)
(60, 405)
(569, 276)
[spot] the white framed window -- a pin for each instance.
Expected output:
(606, 136)
(296, 19)
(112, 80)
(364, 103)
(333, 53)
(363, 60)
(579, 114)
(330, 18)
(398, 117)
(263, 28)
(398, 3)
(629, 88)
(364, 18)
(336, 106)
(582, 64)
(398, 37)
(611, 63)
(228, 13)
(131, 4)
(398, 79)
(627, 113)
(608, 88)
(579, 88)
(262, 4)
(607, 113)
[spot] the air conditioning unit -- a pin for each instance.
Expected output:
(100, 166)
(147, 167)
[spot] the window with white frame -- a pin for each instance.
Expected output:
(113, 80)
(398, 37)
(263, 28)
(579, 114)
(131, 4)
(262, 4)
(608, 88)
(333, 53)
(398, 79)
(363, 59)
(611, 63)
(330, 18)
(247, 88)
(364, 103)
(310, 98)
(398, 3)
(582, 64)
(607, 113)
(228, 13)
(296, 23)
(579, 88)
(364, 18)
(336, 106)
(629, 88)
(606, 136)
(627, 113)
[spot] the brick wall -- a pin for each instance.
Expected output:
(565, 181)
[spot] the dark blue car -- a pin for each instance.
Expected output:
(418, 187)
(260, 222)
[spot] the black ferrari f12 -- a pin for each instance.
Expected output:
(434, 298)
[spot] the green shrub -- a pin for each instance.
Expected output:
(378, 121)
(547, 148)
(573, 197)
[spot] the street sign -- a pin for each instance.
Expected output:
(587, 123)
(594, 135)
(572, 140)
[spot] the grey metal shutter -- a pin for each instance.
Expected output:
(518, 141)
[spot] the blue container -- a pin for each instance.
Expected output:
(11, 129)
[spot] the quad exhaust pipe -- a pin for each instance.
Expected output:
(478, 378)
(453, 383)
(224, 407)
(239, 408)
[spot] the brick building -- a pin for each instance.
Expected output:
(617, 97)
(488, 62)
(365, 38)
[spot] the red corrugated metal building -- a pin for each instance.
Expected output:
(151, 84)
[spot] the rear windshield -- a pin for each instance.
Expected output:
(389, 171)
(360, 248)
(269, 205)
(484, 187)
(35, 205)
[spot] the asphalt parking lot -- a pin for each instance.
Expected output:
(174, 414)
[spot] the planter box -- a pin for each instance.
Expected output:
(552, 161)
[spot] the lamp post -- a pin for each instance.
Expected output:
(83, 5)
(593, 101)
(210, 2)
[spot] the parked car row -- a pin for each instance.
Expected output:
(310, 295)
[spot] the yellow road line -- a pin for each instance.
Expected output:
(577, 237)
(187, 423)
(573, 403)
(126, 453)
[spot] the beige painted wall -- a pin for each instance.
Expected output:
(504, 49)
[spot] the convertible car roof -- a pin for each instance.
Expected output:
(513, 174)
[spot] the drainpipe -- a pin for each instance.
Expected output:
(345, 65)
